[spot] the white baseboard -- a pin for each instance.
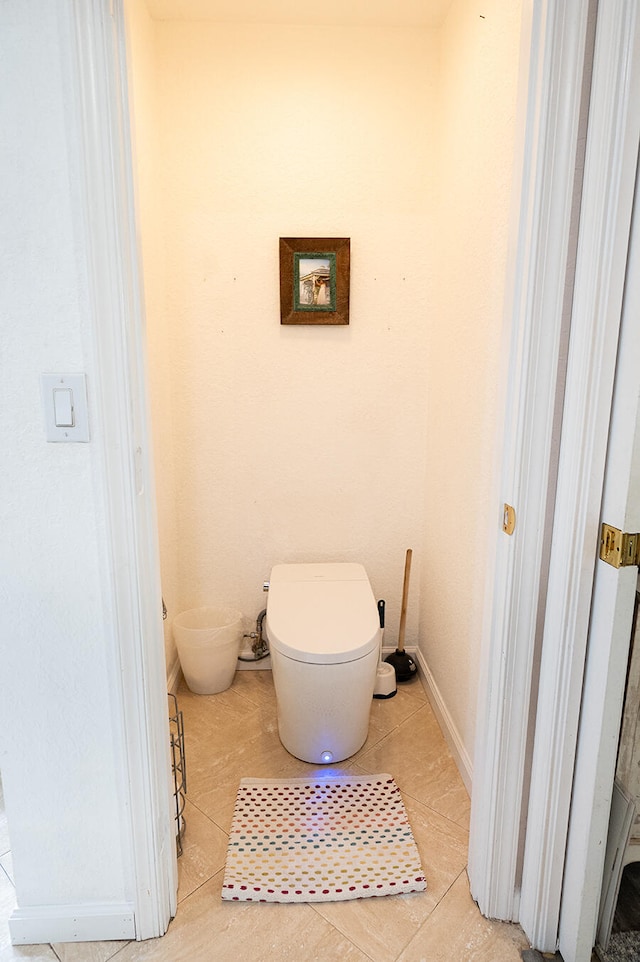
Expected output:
(173, 677)
(389, 650)
(93, 922)
(449, 730)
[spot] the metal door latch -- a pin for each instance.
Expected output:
(508, 519)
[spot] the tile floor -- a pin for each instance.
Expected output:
(234, 734)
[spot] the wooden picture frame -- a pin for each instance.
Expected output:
(314, 280)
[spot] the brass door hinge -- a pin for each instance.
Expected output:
(618, 548)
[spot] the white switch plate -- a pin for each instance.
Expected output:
(60, 408)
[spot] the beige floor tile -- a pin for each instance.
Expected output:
(233, 735)
(204, 851)
(36, 953)
(391, 712)
(374, 737)
(387, 714)
(214, 779)
(6, 865)
(417, 756)
(7, 905)
(456, 930)
(256, 687)
(443, 848)
(221, 721)
(210, 720)
(382, 927)
(87, 951)
(207, 928)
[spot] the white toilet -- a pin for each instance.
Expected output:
(323, 629)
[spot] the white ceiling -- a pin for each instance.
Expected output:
(429, 13)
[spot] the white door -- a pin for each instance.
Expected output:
(608, 642)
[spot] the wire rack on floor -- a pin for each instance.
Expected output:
(178, 767)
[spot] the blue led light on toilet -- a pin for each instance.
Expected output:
(327, 757)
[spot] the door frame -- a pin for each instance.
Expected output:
(601, 266)
(556, 37)
(517, 750)
(132, 580)
(612, 611)
(550, 108)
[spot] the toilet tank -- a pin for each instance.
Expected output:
(322, 613)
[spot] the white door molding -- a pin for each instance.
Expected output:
(608, 644)
(126, 476)
(610, 166)
(553, 48)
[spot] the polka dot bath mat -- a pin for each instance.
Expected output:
(320, 840)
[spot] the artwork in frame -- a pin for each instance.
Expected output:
(314, 280)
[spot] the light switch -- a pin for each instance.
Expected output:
(63, 407)
(64, 399)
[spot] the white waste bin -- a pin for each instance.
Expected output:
(208, 643)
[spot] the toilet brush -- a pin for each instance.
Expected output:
(403, 663)
(385, 686)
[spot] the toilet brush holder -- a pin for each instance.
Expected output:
(385, 686)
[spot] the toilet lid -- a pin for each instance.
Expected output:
(322, 613)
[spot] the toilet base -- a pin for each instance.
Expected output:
(323, 710)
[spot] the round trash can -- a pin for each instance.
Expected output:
(208, 643)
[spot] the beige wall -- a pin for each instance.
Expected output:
(476, 135)
(145, 108)
(291, 444)
(294, 444)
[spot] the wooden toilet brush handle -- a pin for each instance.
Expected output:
(405, 595)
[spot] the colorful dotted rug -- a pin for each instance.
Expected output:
(320, 840)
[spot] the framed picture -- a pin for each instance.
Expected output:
(314, 280)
